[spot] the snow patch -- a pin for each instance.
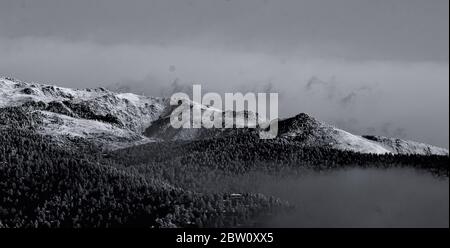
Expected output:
(105, 134)
(400, 146)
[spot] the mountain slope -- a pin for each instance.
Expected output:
(307, 130)
(162, 129)
(301, 129)
(406, 146)
(110, 119)
(117, 120)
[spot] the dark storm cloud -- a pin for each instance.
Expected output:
(333, 89)
(315, 81)
(351, 97)
(357, 29)
(327, 88)
(348, 99)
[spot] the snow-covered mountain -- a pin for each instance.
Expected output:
(395, 145)
(113, 120)
(307, 130)
(163, 130)
(116, 120)
(302, 129)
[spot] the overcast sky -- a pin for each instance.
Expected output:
(378, 67)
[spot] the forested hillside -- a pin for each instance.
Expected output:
(199, 183)
(238, 163)
(44, 185)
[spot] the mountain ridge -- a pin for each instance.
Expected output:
(117, 120)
